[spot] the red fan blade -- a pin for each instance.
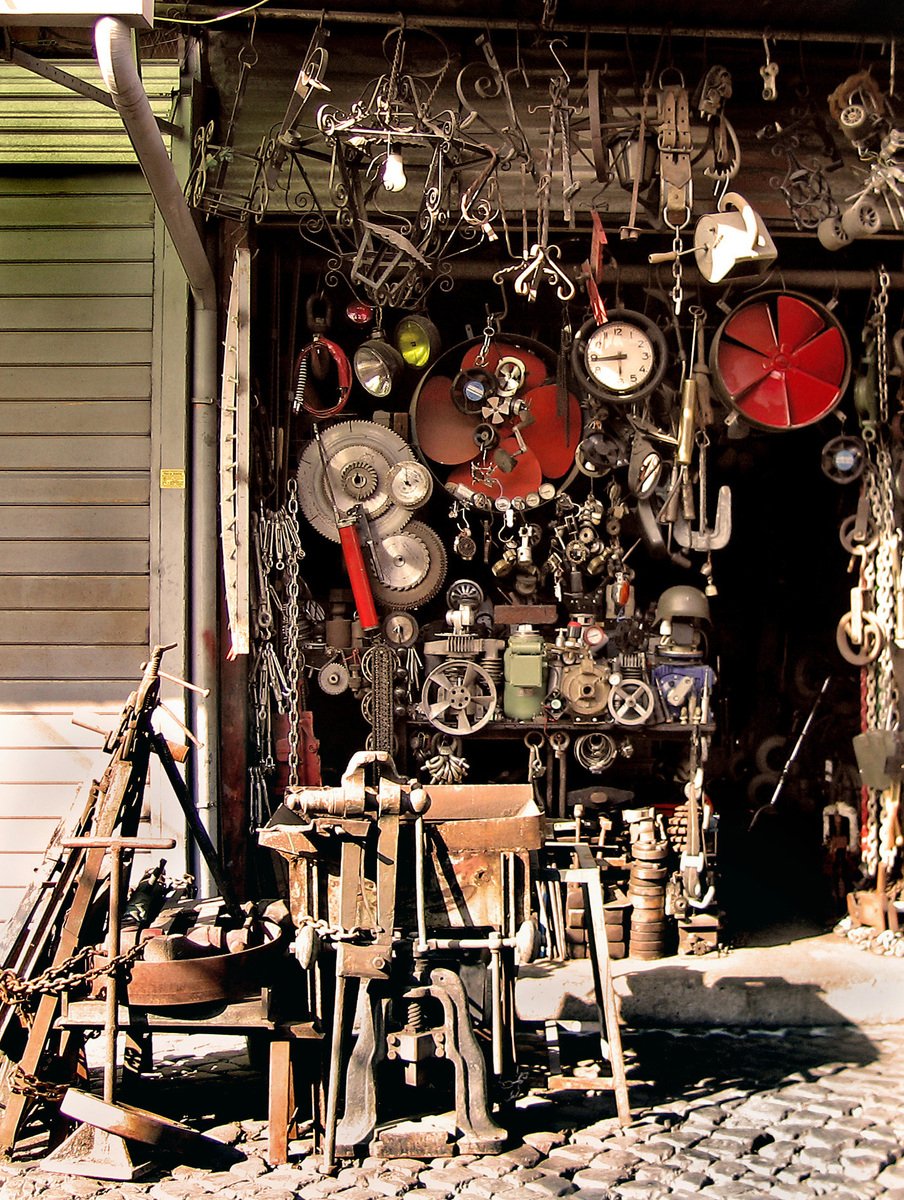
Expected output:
(525, 477)
(741, 368)
(809, 399)
(824, 356)
(444, 434)
(766, 402)
(545, 433)
(536, 370)
(797, 323)
(752, 326)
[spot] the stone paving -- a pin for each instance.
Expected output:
(728, 1114)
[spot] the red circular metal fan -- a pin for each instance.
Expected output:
(497, 448)
(781, 360)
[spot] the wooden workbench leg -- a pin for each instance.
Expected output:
(603, 970)
(281, 1101)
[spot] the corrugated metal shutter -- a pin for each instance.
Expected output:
(81, 313)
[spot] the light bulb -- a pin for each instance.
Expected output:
(394, 177)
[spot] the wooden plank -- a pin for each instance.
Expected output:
(87, 182)
(62, 211)
(51, 522)
(158, 75)
(75, 416)
(16, 871)
(88, 383)
(39, 799)
(79, 693)
(74, 487)
(51, 730)
(81, 627)
(85, 312)
(86, 591)
(76, 279)
(128, 244)
(75, 662)
(78, 348)
(77, 558)
(61, 768)
(50, 453)
(25, 835)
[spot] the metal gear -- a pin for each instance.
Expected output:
(333, 678)
(355, 452)
(414, 567)
(359, 479)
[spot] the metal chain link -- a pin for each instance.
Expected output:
(56, 980)
(294, 554)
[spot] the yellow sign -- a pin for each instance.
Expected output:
(172, 477)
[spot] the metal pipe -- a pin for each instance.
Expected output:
(635, 274)
(445, 21)
(113, 47)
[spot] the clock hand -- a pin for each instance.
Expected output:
(608, 357)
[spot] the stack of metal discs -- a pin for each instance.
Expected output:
(646, 894)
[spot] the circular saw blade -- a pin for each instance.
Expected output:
(344, 445)
(414, 567)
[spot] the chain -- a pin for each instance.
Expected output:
(677, 293)
(62, 978)
(378, 667)
(290, 630)
(882, 343)
(25, 1084)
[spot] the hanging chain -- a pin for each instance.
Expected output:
(881, 707)
(677, 292)
(65, 977)
(294, 554)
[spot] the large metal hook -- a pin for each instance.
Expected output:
(560, 42)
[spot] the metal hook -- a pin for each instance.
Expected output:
(560, 42)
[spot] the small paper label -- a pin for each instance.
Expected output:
(172, 477)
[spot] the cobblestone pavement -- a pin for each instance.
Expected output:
(720, 1113)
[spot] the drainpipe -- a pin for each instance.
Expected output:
(113, 46)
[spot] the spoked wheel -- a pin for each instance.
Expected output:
(781, 360)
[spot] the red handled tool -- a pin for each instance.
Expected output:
(352, 554)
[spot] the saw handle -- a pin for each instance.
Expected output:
(356, 569)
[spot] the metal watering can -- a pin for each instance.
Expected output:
(729, 242)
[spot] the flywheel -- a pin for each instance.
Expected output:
(413, 567)
(781, 360)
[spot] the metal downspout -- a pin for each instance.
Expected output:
(113, 47)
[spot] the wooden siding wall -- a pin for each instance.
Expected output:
(76, 310)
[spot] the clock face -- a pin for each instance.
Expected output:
(623, 359)
(620, 357)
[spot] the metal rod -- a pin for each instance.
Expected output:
(442, 21)
(332, 1094)
(419, 890)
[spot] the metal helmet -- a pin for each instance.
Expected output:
(683, 603)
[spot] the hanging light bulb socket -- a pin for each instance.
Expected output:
(394, 178)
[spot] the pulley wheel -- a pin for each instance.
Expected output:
(781, 360)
